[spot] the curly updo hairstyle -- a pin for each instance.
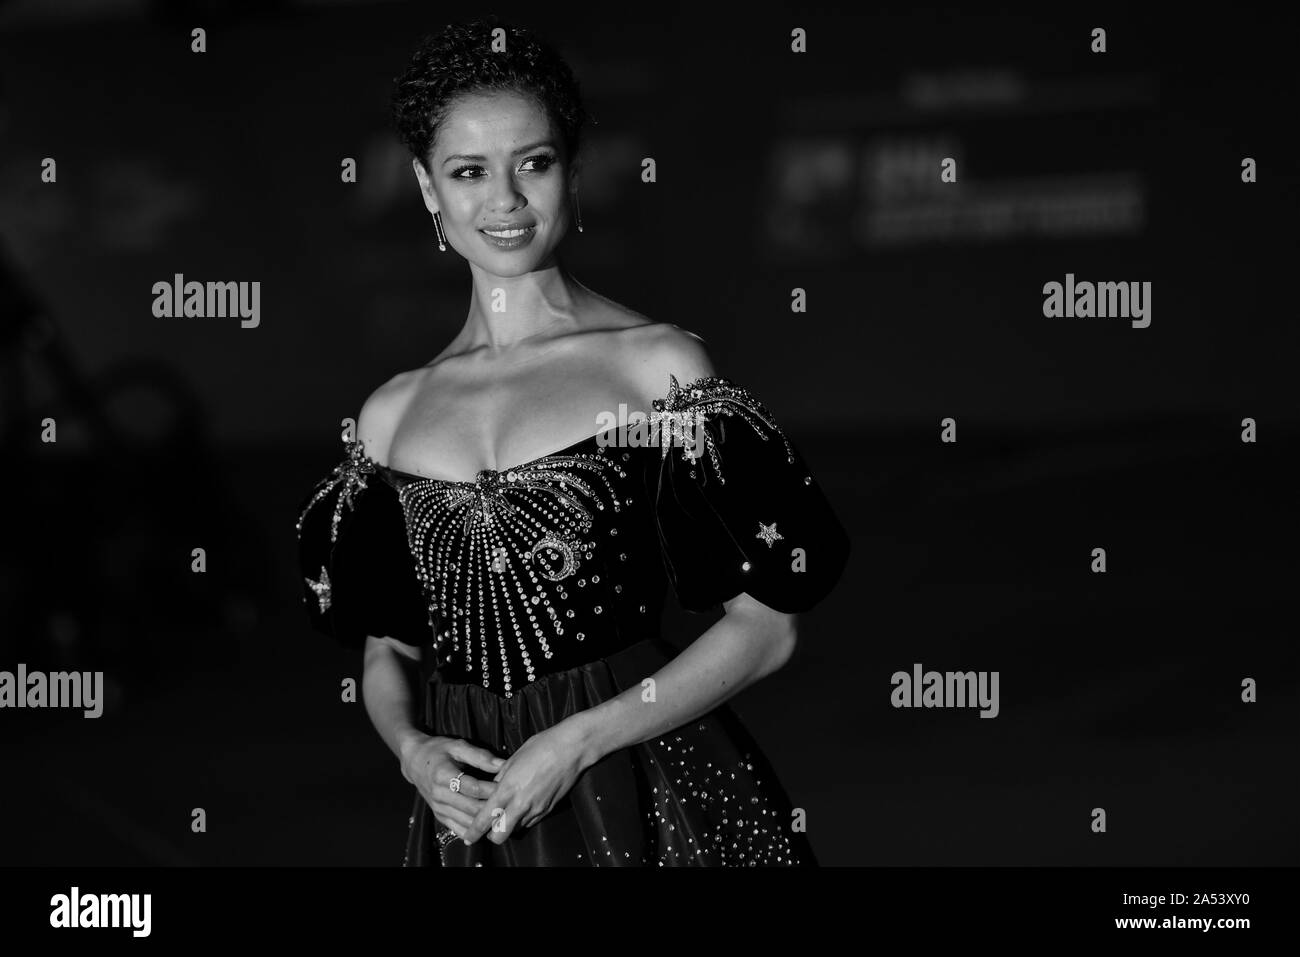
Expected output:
(460, 60)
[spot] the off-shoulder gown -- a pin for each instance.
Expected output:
(536, 592)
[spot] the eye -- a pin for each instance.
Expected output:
(546, 160)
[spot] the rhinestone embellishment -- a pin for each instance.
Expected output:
(558, 545)
(351, 473)
(686, 411)
(486, 552)
(322, 589)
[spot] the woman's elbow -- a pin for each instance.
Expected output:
(386, 648)
(779, 631)
(785, 639)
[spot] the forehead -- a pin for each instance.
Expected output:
(491, 122)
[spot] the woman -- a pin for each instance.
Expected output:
(505, 568)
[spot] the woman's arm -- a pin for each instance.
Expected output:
(427, 761)
(749, 642)
(391, 670)
(391, 667)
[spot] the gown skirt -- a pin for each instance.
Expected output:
(702, 794)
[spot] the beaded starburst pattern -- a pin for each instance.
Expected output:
(686, 410)
(494, 554)
(351, 474)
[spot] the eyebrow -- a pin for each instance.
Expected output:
(522, 149)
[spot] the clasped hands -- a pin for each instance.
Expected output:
(524, 788)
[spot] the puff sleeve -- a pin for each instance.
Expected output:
(737, 508)
(356, 574)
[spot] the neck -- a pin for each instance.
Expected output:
(506, 311)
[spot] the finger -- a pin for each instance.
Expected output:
(465, 799)
(532, 819)
(438, 795)
(454, 818)
(481, 758)
(454, 828)
(484, 822)
(503, 824)
(457, 829)
(466, 782)
(478, 827)
(484, 818)
(471, 786)
(462, 803)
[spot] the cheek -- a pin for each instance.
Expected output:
(549, 199)
(465, 210)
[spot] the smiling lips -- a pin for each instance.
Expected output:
(507, 232)
(509, 237)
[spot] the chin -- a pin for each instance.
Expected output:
(512, 268)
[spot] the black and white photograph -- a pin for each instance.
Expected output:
(647, 436)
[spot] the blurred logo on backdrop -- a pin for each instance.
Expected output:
(868, 172)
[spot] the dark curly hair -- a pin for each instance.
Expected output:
(460, 60)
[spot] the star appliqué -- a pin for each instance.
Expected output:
(768, 533)
(321, 589)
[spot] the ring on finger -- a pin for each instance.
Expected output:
(454, 783)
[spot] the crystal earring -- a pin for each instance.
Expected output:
(577, 213)
(442, 237)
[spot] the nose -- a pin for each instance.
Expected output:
(505, 194)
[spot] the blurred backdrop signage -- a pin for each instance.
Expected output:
(867, 172)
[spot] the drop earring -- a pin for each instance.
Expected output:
(442, 237)
(577, 213)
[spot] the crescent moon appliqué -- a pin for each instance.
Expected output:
(557, 544)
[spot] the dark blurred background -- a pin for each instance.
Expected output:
(775, 171)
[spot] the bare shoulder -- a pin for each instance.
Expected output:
(656, 347)
(657, 350)
(381, 412)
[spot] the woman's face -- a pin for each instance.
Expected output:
(496, 163)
